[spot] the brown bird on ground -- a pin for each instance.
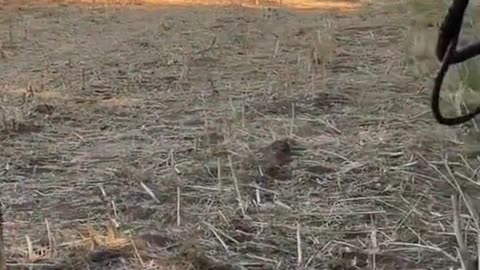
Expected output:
(280, 152)
(276, 156)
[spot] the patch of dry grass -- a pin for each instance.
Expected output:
(461, 83)
(222, 137)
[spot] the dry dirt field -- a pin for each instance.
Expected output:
(222, 136)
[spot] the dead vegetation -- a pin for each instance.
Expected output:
(223, 137)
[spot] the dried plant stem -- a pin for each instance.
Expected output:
(237, 189)
(3, 258)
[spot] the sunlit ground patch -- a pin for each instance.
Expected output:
(342, 6)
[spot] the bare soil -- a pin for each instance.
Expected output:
(220, 137)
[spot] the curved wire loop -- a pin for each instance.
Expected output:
(446, 51)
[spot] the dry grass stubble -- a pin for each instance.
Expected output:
(155, 141)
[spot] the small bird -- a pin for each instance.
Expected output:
(281, 152)
(275, 157)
